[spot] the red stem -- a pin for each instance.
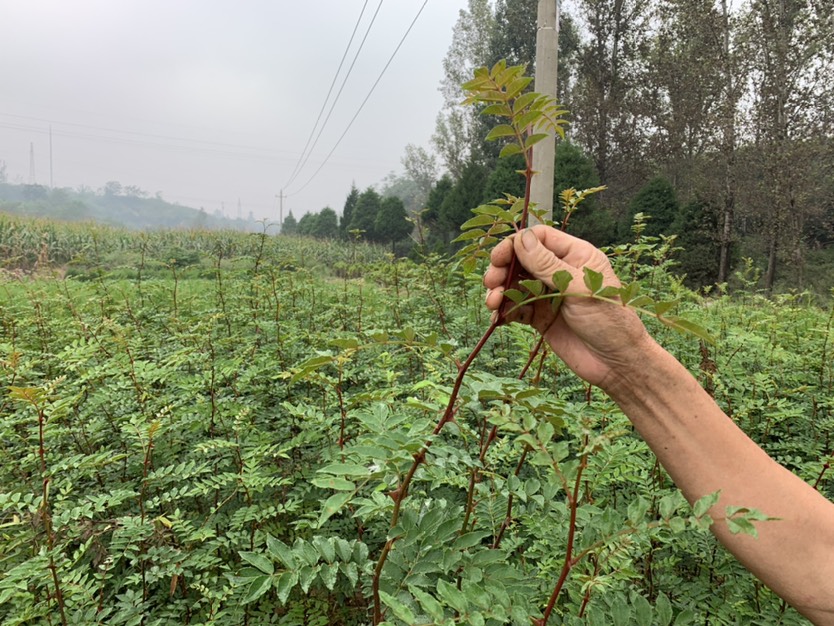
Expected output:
(573, 501)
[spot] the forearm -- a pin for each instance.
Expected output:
(704, 451)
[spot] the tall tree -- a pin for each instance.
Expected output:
(683, 85)
(307, 224)
(391, 224)
(467, 193)
(327, 224)
(364, 213)
(607, 105)
(421, 167)
(732, 78)
(660, 202)
(347, 211)
(793, 73)
(456, 128)
(290, 225)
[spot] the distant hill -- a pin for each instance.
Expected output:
(114, 205)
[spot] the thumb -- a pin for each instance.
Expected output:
(537, 259)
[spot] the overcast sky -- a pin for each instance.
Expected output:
(209, 102)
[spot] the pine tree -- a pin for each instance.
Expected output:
(391, 224)
(290, 225)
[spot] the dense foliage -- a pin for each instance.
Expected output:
(208, 429)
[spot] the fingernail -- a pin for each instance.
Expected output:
(529, 239)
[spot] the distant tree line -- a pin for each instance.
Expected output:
(715, 119)
(368, 215)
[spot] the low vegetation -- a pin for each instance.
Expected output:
(208, 428)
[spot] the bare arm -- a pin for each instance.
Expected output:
(701, 448)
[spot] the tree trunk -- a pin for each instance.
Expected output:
(772, 248)
(729, 132)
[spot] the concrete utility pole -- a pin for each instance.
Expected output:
(547, 57)
(280, 197)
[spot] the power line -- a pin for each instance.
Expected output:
(329, 91)
(201, 146)
(125, 132)
(361, 106)
(338, 94)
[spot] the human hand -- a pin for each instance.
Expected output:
(596, 339)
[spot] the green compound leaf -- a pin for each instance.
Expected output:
(509, 150)
(400, 610)
(452, 595)
(284, 585)
(428, 602)
(333, 504)
(533, 286)
(259, 561)
(258, 587)
(561, 280)
(515, 295)
(687, 326)
(593, 279)
(335, 483)
(502, 130)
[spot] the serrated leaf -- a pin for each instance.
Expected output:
(688, 327)
(259, 561)
(545, 432)
(475, 233)
(334, 482)
(515, 295)
(509, 150)
(478, 220)
(533, 139)
(742, 526)
(499, 109)
(306, 575)
(258, 587)
(593, 279)
(518, 85)
(642, 610)
(401, 611)
(328, 573)
(609, 292)
(470, 539)
(280, 551)
(704, 504)
(502, 130)
(533, 286)
(347, 343)
(637, 509)
(326, 547)
(661, 307)
(523, 100)
(561, 280)
(332, 505)
(663, 610)
(345, 469)
(428, 602)
(284, 584)
(452, 595)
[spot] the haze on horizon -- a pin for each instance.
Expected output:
(210, 103)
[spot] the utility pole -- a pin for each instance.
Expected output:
(50, 157)
(547, 57)
(32, 178)
(280, 197)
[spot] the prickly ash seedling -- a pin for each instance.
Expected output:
(501, 90)
(527, 118)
